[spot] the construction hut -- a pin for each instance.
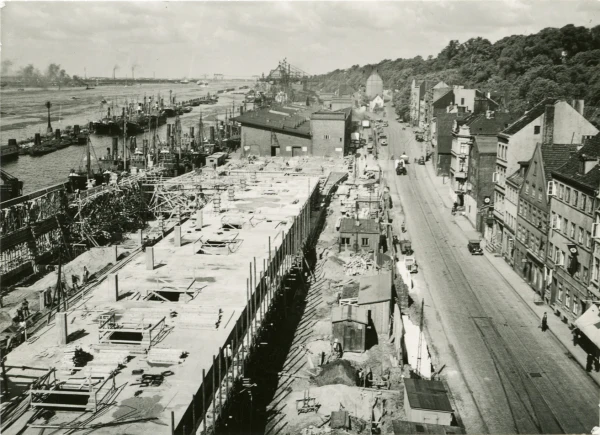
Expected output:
(426, 402)
(350, 327)
(410, 427)
(375, 295)
(215, 160)
(359, 235)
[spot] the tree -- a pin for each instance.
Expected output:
(541, 88)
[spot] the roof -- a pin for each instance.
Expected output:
(375, 288)
(367, 226)
(446, 98)
(516, 178)
(410, 428)
(480, 124)
(537, 111)
(280, 119)
(556, 155)
(486, 144)
(350, 290)
(444, 124)
(423, 394)
(349, 312)
(589, 324)
(570, 171)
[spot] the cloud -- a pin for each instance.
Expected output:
(249, 38)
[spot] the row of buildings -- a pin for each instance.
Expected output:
(529, 184)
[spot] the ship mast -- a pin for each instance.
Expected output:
(89, 159)
(124, 138)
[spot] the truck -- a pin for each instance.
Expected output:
(355, 137)
(366, 123)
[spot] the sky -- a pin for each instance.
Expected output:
(242, 39)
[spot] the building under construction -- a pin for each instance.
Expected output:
(165, 340)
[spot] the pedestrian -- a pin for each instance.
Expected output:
(75, 281)
(545, 322)
(589, 362)
(597, 364)
(359, 377)
(575, 336)
(86, 275)
(48, 297)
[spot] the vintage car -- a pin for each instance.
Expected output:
(421, 160)
(474, 246)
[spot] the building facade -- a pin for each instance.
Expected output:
(574, 191)
(330, 132)
(550, 121)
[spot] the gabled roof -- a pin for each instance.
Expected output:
(537, 111)
(556, 155)
(516, 178)
(571, 170)
(444, 98)
(349, 312)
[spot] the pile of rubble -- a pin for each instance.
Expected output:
(360, 264)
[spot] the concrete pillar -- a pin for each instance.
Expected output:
(177, 236)
(113, 287)
(199, 219)
(42, 298)
(61, 328)
(115, 254)
(149, 258)
(141, 237)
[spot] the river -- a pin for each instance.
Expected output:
(24, 114)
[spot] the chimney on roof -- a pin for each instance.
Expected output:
(489, 114)
(357, 222)
(578, 105)
(548, 124)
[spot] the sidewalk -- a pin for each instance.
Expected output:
(559, 329)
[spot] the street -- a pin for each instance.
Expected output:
(505, 374)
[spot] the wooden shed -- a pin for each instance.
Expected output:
(215, 160)
(375, 295)
(350, 327)
(427, 402)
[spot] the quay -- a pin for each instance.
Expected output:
(163, 342)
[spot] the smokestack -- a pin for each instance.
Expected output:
(115, 146)
(57, 134)
(37, 139)
(579, 106)
(548, 124)
(76, 130)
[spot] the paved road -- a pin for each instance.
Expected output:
(505, 374)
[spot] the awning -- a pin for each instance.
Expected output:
(589, 324)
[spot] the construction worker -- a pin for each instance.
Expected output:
(336, 348)
(25, 309)
(369, 378)
(86, 275)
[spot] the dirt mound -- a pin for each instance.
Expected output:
(338, 372)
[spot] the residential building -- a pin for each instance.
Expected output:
(464, 134)
(574, 191)
(511, 209)
(326, 98)
(340, 103)
(374, 85)
(417, 94)
(439, 105)
(533, 213)
(441, 141)
(427, 402)
(432, 94)
(376, 103)
(359, 235)
(550, 121)
(480, 185)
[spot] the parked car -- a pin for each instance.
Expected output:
(474, 246)
(383, 142)
(421, 160)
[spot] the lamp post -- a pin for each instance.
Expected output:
(48, 106)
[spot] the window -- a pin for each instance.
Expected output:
(550, 250)
(536, 129)
(584, 275)
(539, 194)
(462, 101)
(588, 239)
(575, 306)
(557, 255)
(575, 198)
(572, 231)
(589, 205)
(527, 187)
(326, 136)
(560, 291)
(553, 220)
(567, 194)
(365, 241)
(341, 139)
(580, 236)
(567, 298)
(561, 191)
(583, 201)
(534, 169)
(345, 240)
(565, 225)
(596, 269)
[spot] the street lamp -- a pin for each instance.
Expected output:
(48, 106)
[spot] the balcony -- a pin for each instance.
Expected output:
(460, 174)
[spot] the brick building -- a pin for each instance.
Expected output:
(359, 235)
(330, 133)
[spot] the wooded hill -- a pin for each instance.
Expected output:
(563, 63)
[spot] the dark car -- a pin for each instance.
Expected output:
(421, 161)
(474, 246)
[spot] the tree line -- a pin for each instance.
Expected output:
(563, 63)
(29, 75)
